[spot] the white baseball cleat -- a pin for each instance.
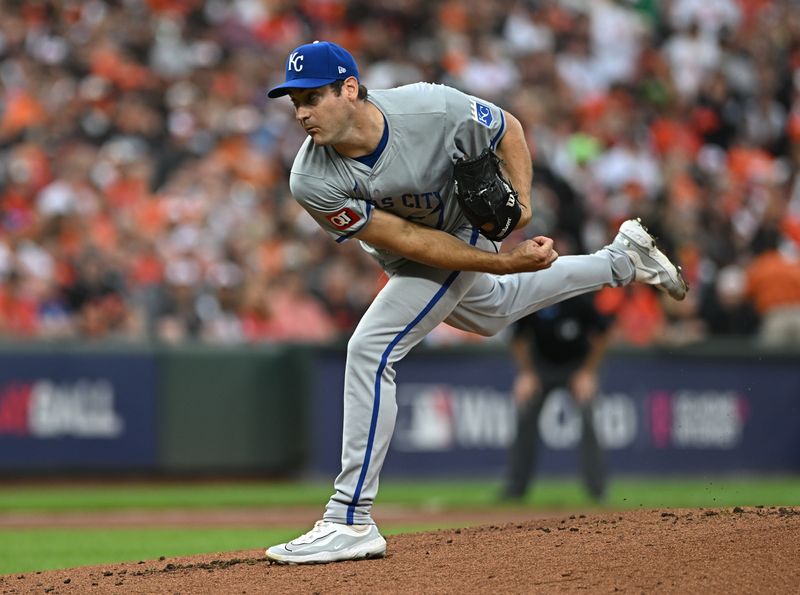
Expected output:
(330, 542)
(652, 266)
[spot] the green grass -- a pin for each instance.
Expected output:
(24, 551)
(40, 549)
(550, 494)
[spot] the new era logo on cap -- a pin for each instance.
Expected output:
(316, 65)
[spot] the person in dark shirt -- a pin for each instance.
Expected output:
(725, 307)
(559, 347)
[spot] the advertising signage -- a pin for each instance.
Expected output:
(82, 410)
(656, 415)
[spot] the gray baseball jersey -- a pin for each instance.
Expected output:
(430, 127)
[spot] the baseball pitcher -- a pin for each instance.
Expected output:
(429, 180)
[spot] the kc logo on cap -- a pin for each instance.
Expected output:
(315, 65)
(295, 62)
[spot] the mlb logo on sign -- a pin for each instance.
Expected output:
(481, 113)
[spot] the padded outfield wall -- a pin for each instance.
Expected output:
(276, 410)
(108, 408)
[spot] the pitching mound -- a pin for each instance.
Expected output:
(745, 550)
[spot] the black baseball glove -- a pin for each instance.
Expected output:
(486, 197)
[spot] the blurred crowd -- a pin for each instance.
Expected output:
(143, 172)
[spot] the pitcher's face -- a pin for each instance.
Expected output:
(323, 114)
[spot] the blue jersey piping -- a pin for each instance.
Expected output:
(350, 234)
(496, 137)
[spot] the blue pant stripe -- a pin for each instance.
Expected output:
(351, 509)
(377, 403)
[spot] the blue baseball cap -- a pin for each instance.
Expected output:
(315, 65)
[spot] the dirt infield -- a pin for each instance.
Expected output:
(742, 550)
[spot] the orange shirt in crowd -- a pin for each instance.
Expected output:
(638, 311)
(18, 315)
(300, 318)
(773, 281)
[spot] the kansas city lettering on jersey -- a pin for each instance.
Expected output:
(423, 207)
(431, 201)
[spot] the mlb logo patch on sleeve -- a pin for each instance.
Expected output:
(481, 113)
(343, 219)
